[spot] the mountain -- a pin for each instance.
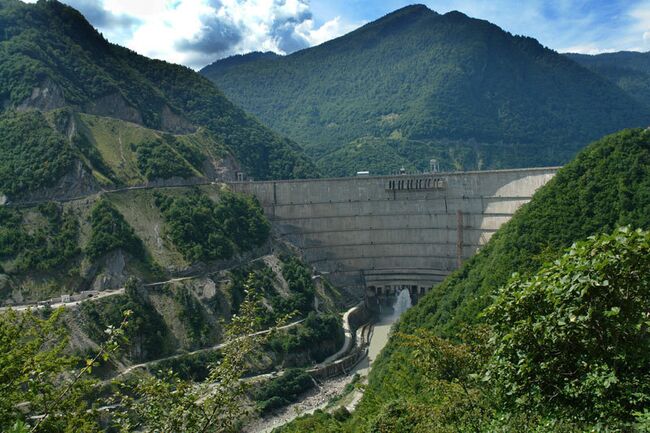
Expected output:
(53, 59)
(432, 374)
(629, 70)
(416, 85)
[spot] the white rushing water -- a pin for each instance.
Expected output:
(402, 304)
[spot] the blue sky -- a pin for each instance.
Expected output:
(197, 32)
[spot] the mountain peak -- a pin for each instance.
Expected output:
(455, 15)
(416, 10)
(408, 81)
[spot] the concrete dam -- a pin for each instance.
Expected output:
(380, 235)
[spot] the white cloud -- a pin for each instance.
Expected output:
(198, 32)
(641, 15)
(315, 35)
(587, 49)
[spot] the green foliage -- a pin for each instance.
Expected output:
(573, 340)
(34, 155)
(41, 391)
(193, 316)
(111, 232)
(630, 70)
(260, 278)
(204, 230)
(51, 46)
(147, 335)
(166, 403)
(195, 367)
(49, 247)
(319, 421)
(158, 160)
(300, 299)
(37, 376)
(417, 85)
(282, 391)
(318, 336)
(298, 277)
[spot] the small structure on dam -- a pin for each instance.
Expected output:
(384, 234)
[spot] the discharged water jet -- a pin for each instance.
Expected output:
(402, 303)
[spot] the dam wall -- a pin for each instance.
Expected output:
(386, 233)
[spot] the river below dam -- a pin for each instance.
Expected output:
(318, 398)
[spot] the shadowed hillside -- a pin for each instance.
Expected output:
(629, 70)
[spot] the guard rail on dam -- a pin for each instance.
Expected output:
(383, 234)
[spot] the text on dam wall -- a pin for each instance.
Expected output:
(416, 183)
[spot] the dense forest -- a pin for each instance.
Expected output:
(203, 230)
(514, 339)
(34, 155)
(53, 58)
(416, 85)
(630, 70)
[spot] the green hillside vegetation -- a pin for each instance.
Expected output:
(40, 149)
(281, 391)
(131, 154)
(536, 360)
(34, 155)
(417, 85)
(629, 70)
(39, 377)
(49, 246)
(52, 58)
(148, 335)
(110, 232)
(299, 300)
(203, 230)
(318, 337)
(52, 249)
(176, 317)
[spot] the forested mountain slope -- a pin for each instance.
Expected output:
(446, 341)
(63, 154)
(628, 69)
(415, 85)
(52, 58)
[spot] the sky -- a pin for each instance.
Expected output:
(198, 32)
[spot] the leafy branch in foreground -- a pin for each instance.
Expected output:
(166, 403)
(574, 339)
(37, 377)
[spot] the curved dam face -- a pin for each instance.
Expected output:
(383, 234)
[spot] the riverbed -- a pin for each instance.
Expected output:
(318, 398)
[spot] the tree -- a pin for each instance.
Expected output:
(37, 376)
(168, 404)
(574, 340)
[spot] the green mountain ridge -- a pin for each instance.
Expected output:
(630, 70)
(426, 85)
(52, 58)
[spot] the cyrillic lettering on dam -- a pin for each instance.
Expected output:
(417, 183)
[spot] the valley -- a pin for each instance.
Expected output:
(426, 224)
